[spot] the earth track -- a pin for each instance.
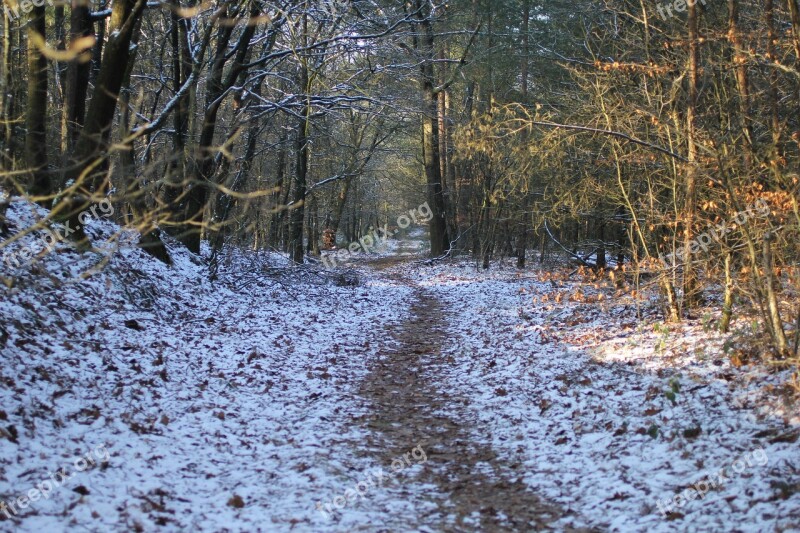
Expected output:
(412, 406)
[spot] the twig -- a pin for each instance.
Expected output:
(433, 260)
(573, 255)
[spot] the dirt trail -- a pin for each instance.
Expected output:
(410, 405)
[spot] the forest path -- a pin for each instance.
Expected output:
(411, 406)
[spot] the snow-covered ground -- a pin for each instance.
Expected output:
(176, 403)
(612, 416)
(200, 406)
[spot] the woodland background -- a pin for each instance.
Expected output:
(613, 134)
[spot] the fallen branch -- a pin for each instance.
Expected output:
(582, 260)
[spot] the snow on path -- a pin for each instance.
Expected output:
(595, 424)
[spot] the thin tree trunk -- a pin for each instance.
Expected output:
(522, 236)
(60, 70)
(279, 197)
(128, 181)
(97, 49)
(690, 288)
(727, 305)
(769, 15)
(297, 213)
(742, 80)
(794, 12)
(743, 89)
(777, 330)
(338, 211)
(297, 216)
(225, 202)
(195, 196)
(313, 226)
(6, 93)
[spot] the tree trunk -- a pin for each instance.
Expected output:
(181, 70)
(440, 240)
(794, 12)
(7, 92)
(297, 216)
(313, 226)
(522, 235)
(338, 210)
(6, 85)
(727, 305)
(297, 213)
(279, 197)
(742, 81)
(128, 181)
(743, 89)
(36, 114)
(78, 69)
(778, 333)
(690, 288)
(93, 140)
(601, 262)
(225, 202)
(775, 123)
(195, 195)
(192, 212)
(97, 49)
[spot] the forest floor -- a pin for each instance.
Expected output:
(419, 398)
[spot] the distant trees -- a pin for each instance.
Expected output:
(668, 128)
(161, 125)
(614, 130)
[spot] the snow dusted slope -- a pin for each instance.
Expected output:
(610, 417)
(176, 404)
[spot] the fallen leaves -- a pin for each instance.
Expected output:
(133, 324)
(692, 433)
(236, 501)
(10, 433)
